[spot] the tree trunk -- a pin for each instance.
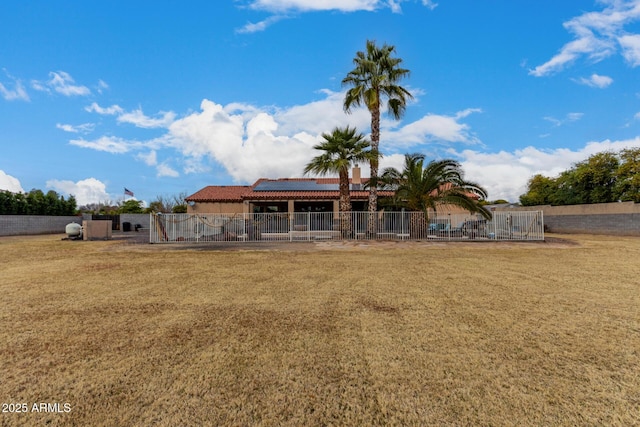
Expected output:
(345, 205)
(418, 225)
(372, 223)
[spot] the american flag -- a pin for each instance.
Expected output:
(128, 192)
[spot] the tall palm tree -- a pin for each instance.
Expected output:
(343, 147)
(374, 78)
(425, 188)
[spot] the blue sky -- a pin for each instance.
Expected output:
(163, 97)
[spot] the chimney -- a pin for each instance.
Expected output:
(356, 181)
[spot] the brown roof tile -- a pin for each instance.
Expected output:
(220, 193)
(237, 193)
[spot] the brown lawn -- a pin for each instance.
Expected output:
(342, 334)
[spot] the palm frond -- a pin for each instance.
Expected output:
(423, 188)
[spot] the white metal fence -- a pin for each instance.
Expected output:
(310, 226)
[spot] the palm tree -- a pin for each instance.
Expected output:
(374, 78)
(423, 189)
(342, 148)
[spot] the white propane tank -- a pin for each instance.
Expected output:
(73, 230)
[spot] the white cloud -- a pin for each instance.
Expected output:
(110, 111)
(596, 81)
(637, 116)
(38, 85)
(251, 142)
(139, 119)
(570, 117)
(282, 7)
(251, 27)
(316, 5)
(10, 183)
(321, 116)
(430, 4)
(598, 35)
(150, 159)
(101, 86)
(17, 93)
(83, 128)
(505, 174)
(630, 45)
(165, 170)
(86, 191)
(574, 117)
(63, 83)
(135, 117)
(109, 144)
(247, 146)
(434, 128)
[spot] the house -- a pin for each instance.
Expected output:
(285, 195)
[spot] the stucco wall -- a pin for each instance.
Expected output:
(219, 208)
(603, 218)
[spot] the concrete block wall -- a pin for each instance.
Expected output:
(18, 225)
(133, 219)
(616, 224)
(604, 218)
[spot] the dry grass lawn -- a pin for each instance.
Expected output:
(373, 334)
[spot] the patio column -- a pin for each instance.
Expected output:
(290, 208)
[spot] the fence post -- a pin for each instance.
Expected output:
(354, 223)
(290, 215)
(152, 225)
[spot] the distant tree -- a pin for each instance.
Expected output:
(130, 206)
(71, 206)
(540, 191)
(8, 203)
(181, 208)
(155, 207)
(53, 203)
(105, 207)
(627, 187)
(602, 178)
(494, 202)
(5, 201)
(35, 202)
(596, 178)
(168, 204)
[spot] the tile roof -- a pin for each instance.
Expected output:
(220, 193)
(237, 193)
